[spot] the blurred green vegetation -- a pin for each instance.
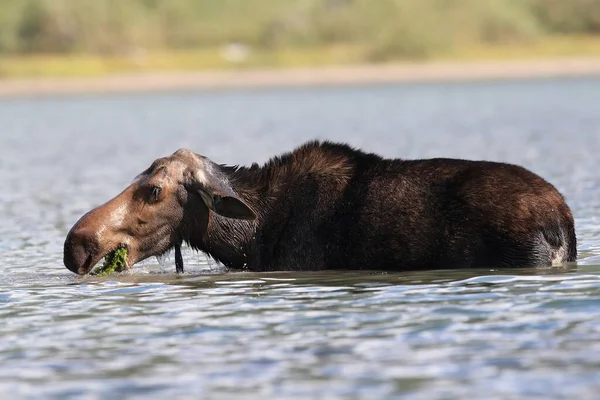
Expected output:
(106, 35)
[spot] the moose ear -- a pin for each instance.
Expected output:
(212, 184)
(227, 206)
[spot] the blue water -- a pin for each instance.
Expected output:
(484, 334)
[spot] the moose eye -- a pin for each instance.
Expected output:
(154, 194)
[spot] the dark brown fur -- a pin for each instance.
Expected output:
(329, 206)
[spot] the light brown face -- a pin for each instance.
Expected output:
(149, 216)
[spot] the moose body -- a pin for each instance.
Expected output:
(329, 206)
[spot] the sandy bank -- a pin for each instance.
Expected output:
(348, 75)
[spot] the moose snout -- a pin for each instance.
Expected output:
(97, 233)
(81, 245)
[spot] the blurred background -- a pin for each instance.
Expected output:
(97, 37)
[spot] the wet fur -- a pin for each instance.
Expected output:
(330, 206)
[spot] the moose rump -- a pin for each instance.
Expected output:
(329, 206)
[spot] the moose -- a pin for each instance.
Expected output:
(327, 205)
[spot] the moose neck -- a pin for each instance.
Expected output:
(240, 243)
(229, 241)
(233, 242)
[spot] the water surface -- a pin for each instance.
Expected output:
(488, 334)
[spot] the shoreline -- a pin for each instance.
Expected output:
(300, 77)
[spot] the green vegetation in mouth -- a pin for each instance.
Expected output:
(116, 261)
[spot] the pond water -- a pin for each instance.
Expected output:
(209, 333)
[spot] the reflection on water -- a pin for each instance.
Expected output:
(209, 333)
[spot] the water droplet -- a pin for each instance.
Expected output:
(165, 260)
